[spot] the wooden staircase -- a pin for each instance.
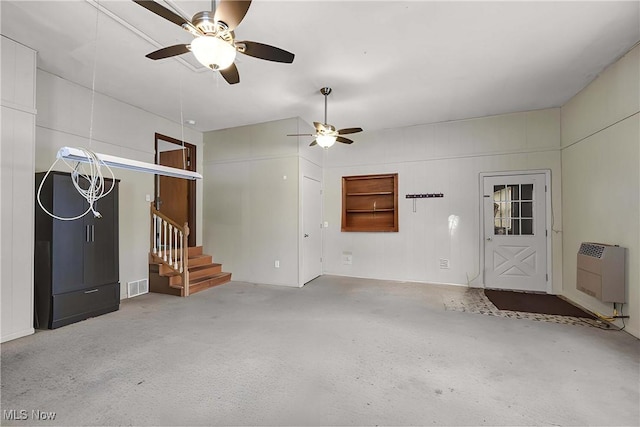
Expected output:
(175, 268)
(203, 274)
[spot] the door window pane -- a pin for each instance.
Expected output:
(515, 227)
(515, 192)
(513, 209)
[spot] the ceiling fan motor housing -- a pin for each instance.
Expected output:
(205, 22)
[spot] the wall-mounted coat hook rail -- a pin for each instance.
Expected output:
(424, 195)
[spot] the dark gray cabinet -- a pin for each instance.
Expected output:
(76, 262)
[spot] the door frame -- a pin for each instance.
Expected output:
(191, 192)
(548, 219)
(301, 278)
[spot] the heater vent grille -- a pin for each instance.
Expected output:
(137, 287)
(591, 250)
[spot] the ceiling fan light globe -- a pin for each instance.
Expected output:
(213, 52)
(326, 141)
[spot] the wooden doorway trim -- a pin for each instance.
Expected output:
(191, 192)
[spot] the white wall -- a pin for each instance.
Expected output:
(64, 119)
(251, 210)
(16, 189)
(437, 158)
(600, 179)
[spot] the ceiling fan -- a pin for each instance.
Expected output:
(326, 134)
(214, 44)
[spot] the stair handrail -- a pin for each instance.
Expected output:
(168, 244)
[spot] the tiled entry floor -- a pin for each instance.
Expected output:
(473, 300)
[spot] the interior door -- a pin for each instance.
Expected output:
(312, 228)
(174, 192)
(515, 234)
(176, 197)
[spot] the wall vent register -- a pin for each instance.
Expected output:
(591, 250)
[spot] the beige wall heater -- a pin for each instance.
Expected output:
(601, 271)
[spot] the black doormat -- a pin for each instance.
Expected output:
(534, 303)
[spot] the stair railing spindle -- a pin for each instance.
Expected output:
(175, 244)
(170, 246)
(160, 237)
(154, 237)
(181, 252)
(164, 240)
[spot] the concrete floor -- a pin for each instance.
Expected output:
(340, 351)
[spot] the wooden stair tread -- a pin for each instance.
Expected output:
(199, 261)
(204, 267)
(204, 279)
(209, 282)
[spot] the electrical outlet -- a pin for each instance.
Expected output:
(277, 264)
(444, 263)
(347, 258)
(147, 197)
(326, 224)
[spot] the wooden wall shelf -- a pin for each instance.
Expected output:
(370, 203)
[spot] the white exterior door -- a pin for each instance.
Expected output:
(311, 228)
(515, 232)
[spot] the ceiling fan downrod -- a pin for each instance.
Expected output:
(325, 91)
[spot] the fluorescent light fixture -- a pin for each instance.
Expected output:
(76, 155)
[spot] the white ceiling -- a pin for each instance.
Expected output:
(390, 63)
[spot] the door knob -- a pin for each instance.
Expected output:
(306, 235)
(489, 239)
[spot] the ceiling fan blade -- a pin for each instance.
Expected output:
(163, 12)
(264, 51)
(230, 74)
(349, 130)
(313, 143)
(344, 140)
(231, 12)
(318, 126)
(300, 134)
(170, 51)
